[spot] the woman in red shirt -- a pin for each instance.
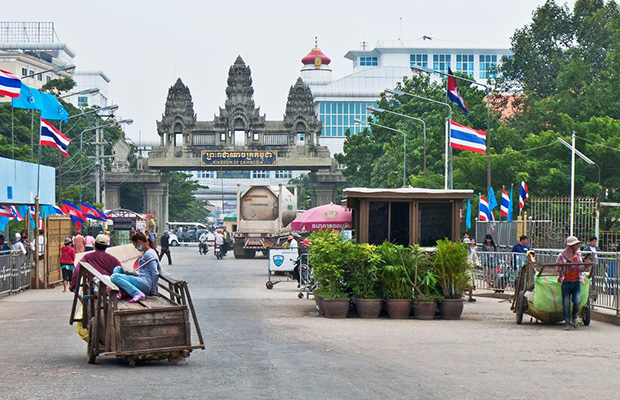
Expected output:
(569, 276)
(67, 262)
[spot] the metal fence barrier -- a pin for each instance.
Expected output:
(499, 271)
(15, 272)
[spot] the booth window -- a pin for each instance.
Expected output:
(399, 223)
(388, 221)
(435, 223)
(378, 222)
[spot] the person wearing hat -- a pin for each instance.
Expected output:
(67, 263)
(99, 259)
(570, 276)
(79, 243)
(164, 244)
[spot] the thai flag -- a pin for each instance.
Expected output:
(10, 85)
(454, 94)
(465, 138)
(523, 195)
(503, 209)
(484, 214)
(58, 209)
(32, 215)
(6, 212)
(50, 136)
(16, 214)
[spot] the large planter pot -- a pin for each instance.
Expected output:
(425, 310)
(399, 308)
(451, 308)
(369, 308)
(337, 308)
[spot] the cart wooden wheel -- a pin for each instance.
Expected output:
(300, 295)
(91, 347)
(520, 307)
(269, 285)
(586, 317)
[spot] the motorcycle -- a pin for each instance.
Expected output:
(218, 252)
(203, 248)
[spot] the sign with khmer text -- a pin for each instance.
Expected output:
(243, 157)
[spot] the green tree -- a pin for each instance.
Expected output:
(183, 204)
(304, 191)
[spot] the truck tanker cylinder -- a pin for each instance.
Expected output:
(262, 203)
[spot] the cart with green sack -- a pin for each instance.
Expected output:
(539, 294)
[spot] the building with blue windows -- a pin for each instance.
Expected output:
(339, 102)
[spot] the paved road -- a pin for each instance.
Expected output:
(270, 345)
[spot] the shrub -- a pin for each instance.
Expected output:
(451, 264)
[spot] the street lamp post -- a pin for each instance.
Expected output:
(447, 173)
(486, 87)
(380, 110)
(357, 121)
(574, 152)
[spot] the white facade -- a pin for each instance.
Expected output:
(89, 80)
(339, 102)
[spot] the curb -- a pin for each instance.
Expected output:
(604, 317)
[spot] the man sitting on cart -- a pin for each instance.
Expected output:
(570, 276)
(99, 259)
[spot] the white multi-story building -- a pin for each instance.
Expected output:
(28, 48)
(85, 80)
(340, 101)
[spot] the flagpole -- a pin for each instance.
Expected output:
(37, 216)
(12, 132)
(31, 135)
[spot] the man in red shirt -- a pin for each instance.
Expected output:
(99, 259)
(569, 276)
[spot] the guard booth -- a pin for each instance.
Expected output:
(405, 216)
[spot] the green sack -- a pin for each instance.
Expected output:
(548, 294)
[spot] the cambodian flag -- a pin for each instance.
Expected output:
(454, 94)
(503, 209)
(484, 213)
(465, 138)
(523, 195)
(50, 136)
(10, 85)
(72, 211)
(91, 212)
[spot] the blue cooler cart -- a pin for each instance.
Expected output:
(281, 260)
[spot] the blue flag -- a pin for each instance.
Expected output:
(29, 98)
(468, 215)
(492, 199)
(510, 206)
(52, 109)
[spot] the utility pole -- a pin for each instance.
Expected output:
(97, 170)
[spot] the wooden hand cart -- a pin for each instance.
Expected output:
(156, 328)
(527, 283)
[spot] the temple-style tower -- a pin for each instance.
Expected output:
(179, 117)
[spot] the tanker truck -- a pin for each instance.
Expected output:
(264, 216)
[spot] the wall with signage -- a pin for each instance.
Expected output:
(18, 182)
(233, 158)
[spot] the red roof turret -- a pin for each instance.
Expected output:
(316, 57)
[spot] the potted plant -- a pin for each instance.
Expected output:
(364, 280)
(328, 254)
(426, 291)
(451, 264)
(395, 281)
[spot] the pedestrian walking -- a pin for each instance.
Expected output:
(18, 245)
(472, 260)
(67, 263)
(488, 259)
(570, 277)
(41, 244)
(3, 246)
(79, 243)
(164, 243)
(89, 242)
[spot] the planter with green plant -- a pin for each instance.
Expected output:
(363, 280)
(329, 255)
(396, 270)
(450, 261)
(426, 291)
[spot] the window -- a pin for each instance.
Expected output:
(31, 72)
(435, 223)
(420, 60)
(82, 101)
(284, 174)
(465, 64)
(301, 138)
(441, 62)
(369, 61)
(260, 174)
(205, 174)
(40, 77)
(47, 79)
(24, 71)
(337, 117)
(222, 137)
(487, 61)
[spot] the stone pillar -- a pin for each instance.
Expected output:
(323, 185)
(155, 202)
(112, 196)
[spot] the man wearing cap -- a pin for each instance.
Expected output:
(99, 259)
(79, 243)
(569, 276)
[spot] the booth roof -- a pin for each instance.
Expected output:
(410, 193)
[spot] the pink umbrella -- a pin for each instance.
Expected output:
(329, 216)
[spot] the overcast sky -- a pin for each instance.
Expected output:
(143, 46)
